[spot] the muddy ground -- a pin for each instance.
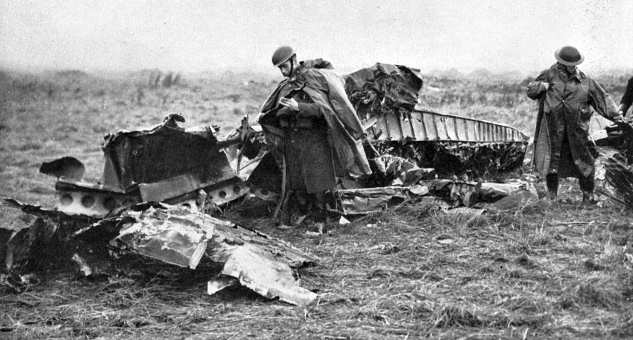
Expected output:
(537, 271)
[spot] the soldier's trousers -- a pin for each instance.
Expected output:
(587, 184)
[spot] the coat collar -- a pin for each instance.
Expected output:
(578, 75)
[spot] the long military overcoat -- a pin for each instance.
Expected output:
(561, 138)
(345, 132)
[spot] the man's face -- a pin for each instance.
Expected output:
(286, 68)
(570, 69)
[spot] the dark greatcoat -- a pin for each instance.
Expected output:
(341, 130)
(561, 139)
(627, 98)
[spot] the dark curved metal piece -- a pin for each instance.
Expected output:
(66, 167)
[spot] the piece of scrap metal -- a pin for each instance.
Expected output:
(44, 242)
(466, 193)
(163, 236)
(164, 163)
(184, 238)
(373, 200)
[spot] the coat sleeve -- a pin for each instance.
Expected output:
(536, 88)
(602, 102)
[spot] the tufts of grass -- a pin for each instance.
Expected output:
(447, 316)
(587, 294)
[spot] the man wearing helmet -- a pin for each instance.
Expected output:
(314, 128)
(561, 142)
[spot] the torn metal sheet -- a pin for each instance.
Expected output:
(372, 200)
(368, 200)
(228, 234)
(605, 153)
(169, 238)
(265, 275)
(465, 211)
(619, 179)
(45, 242)
(495, 191)
(165, 151)
(219, 283)
(469, 193)
(164, 163)
(184, 238)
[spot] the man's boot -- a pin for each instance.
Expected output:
(586, 186)
(588, 199)
(551, 181)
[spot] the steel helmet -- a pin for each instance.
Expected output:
(282, 54)
(569, 56)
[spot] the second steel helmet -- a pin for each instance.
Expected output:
(569, 55)
(282, 54)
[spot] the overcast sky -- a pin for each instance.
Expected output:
(205, 35)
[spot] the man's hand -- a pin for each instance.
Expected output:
(619, 120)
(289, 103)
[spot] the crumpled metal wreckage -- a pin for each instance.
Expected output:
(614, 164)
(178, 236)
(171, 234)
(163, 163)
(386, 98)
(93, 222)
(191, 173)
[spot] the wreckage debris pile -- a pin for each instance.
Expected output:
(183, 238)
(172, 235)
(619, 175)
(383, 88)
(483, 160)
(386, 98)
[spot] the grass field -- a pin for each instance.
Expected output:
(537, 271)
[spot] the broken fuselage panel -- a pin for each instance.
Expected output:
(163, 164)
(386, 98)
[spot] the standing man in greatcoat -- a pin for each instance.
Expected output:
(315, 129)
(561, 140)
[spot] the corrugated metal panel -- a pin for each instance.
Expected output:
(393, 127)
(418, 127)
(407, 128)
(424, 125)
